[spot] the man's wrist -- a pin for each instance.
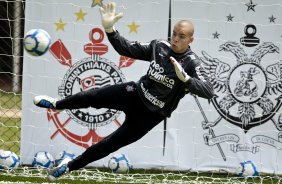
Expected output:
(183, 76)
(110, 30)
(187, 77)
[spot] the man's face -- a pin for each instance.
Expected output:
(181, 37)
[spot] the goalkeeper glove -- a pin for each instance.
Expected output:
(181, 74)
(109, 16)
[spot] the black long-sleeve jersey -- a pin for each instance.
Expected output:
(160, 89)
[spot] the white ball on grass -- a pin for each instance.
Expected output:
(119, 163)
(8, 160)
(43, 159)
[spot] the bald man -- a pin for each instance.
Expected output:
(182, 36)
(174, 71)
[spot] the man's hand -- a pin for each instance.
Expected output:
(109, 16)
(181, 74)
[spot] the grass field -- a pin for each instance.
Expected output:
(85, 176)
(10, 133)
(10, 121)
(9, 100)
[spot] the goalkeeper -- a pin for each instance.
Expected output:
(174, 71)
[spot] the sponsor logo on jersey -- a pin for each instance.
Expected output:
(156, 73)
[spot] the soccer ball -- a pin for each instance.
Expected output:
(247, 169)
(43, 159)
(8, 160)
(119, 163)
(62, 155)
(37, 42)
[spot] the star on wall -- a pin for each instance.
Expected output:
(215, 35)
(230, 18)
(97, 2)
(60, 25)
(80, 15)
(272, 19)
(251, 6)
(133, 27)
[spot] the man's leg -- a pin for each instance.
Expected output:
(108, 97)
(133, 129)
(123, 136)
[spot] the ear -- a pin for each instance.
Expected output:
(191, 39)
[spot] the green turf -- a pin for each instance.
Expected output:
(9, 100)
(10, 122)
(103, 175)
(10, 132)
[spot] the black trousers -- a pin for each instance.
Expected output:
(123, 97)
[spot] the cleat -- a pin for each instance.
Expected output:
(59, 171)
(45, 101)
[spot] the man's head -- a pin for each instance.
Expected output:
(182, 36)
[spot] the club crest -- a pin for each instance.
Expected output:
(248, 89)
(89, 73)
(80, 78)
